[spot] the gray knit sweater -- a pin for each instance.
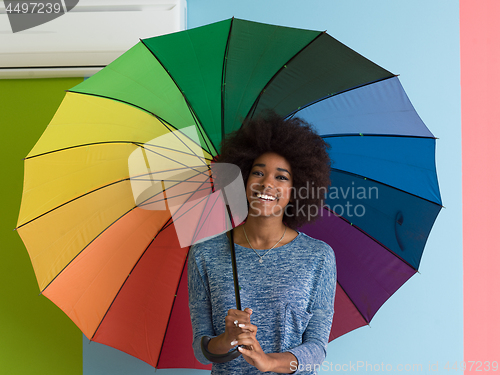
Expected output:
(291, 294)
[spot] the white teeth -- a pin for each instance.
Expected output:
(266, 197)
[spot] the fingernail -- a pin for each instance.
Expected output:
(241, 325)
(233, 343)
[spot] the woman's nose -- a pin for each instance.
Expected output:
(267, 182)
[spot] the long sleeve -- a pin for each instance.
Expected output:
(199, 306)
(312, 351)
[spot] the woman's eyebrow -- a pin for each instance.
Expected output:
(279, 169)
(284, 170)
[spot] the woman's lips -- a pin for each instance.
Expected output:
(265, 197)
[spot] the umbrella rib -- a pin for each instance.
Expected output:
(384, 247)
(360, 313)
(184, 143)
(174, 160)
(90, 192)
(206, 217)
(102, 143)
(162, 121)
(190, 107)
(204, 201)
(384, 184)
(179, 181)
(178, 217)
(223, 80)
(8, 68)
(252, 110)
(137, 177)
(371, 237)
(76, 256)
(143, 204)
(350, 299)
(198, 189)
(167, 223)
(376, 135)
(77, 146)
(293, 113)
(71, 200)
(93, 191)
(168, 320)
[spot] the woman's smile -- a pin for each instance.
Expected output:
(265, 197)
(269, 185)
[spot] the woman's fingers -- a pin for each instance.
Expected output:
(245, 314)
(248, 351)
(248, 328)
(247, 336)
(237, 322)
(237, 319)
(248, 310)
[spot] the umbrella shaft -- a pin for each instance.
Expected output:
(235, 272)
(233, 257)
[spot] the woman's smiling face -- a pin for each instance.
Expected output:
(269, 185)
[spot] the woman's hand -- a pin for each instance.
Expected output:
(234, 320)
(251, 350)
(253, 353)
(224, 342)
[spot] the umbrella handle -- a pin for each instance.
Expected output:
(217, 358)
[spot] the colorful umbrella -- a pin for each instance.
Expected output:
(112, 261)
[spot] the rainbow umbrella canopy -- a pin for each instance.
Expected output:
(112, 259)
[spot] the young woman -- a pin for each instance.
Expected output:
(287, 279)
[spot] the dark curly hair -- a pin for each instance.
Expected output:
(299, 144)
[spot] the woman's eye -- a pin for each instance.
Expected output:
(257, 173)
(283, 178)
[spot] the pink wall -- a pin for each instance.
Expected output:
(480, 79)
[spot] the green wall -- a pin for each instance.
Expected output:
(35, 336)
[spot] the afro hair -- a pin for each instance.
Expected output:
(299, 144)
